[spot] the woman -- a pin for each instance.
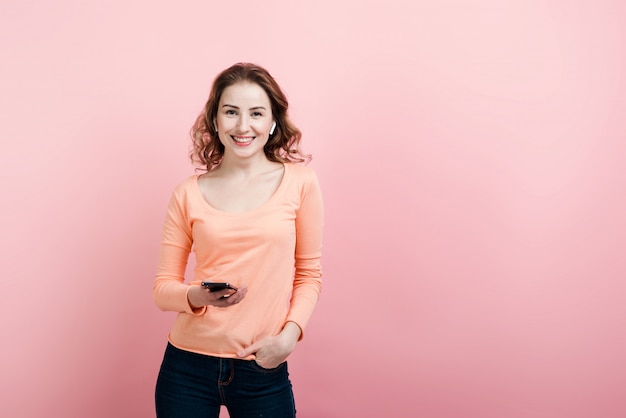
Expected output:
(253, 220)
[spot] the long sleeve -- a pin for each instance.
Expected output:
(307, 279)
(170, 291)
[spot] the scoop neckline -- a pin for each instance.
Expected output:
(247, 212)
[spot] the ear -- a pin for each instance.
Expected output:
(215, 125)
(272, 128)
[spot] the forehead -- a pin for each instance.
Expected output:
(245, 93)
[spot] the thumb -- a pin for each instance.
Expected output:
(247, 351)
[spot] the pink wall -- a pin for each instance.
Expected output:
(471, 155)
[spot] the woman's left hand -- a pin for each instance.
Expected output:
(272, 351)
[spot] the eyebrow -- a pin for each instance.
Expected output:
(236, 107)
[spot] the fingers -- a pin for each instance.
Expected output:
(248, 350)
(225, 298)
(267, 358)
(269, 352)
(222, 294)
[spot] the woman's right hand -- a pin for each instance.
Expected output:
(198, 297)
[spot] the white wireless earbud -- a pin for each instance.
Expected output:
(273, 128)
(215, 125)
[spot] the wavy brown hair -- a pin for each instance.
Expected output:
(283, 146)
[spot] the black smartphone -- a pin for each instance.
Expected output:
(215, 286)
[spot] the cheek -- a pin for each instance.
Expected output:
(265, 127)
(222, 124)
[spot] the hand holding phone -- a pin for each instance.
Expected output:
(220, 294)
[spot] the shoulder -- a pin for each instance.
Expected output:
(301, 173)
(184, 187)
(303, 179)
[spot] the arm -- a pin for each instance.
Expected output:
(307, 283)
(170, 292)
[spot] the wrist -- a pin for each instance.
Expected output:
(292, 331)
(191, 299)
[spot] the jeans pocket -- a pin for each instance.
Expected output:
(256, 366)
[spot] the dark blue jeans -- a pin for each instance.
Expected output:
(193, 385)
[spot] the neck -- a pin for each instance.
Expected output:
(246, 168)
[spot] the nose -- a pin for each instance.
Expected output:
(243, 123)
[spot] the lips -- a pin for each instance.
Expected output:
(243, 140)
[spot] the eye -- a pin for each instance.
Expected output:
(256, 114)
(231, 112)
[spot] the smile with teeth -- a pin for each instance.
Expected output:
(242, 140)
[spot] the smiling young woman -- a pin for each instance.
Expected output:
(285, 141)
(250, 218)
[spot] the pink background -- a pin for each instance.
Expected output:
(471, 155)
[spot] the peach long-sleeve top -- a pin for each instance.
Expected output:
(274, 249)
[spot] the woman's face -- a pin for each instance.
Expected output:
(244, 119)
